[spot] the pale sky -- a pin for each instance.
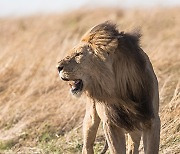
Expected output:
(28, 7)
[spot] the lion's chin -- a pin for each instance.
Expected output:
(77, 94)
(76, 87)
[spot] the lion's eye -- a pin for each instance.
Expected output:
(78, 53)
(78, 57)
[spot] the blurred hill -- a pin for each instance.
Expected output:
(37, 113)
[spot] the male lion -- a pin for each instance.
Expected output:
(114, 72)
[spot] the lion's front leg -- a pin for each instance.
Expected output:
(133, 142)
(151, 137)
(90, 127)
(116, 138)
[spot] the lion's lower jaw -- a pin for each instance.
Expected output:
(76, 94)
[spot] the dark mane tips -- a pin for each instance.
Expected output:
(132, 37)
(109, 30)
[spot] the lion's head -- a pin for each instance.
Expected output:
(90, 64)
(111, 67)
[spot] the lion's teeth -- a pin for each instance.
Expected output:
(73, 87)
(70, 85)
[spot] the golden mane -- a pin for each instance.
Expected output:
(129, 103)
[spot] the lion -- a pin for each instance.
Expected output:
(116, 74)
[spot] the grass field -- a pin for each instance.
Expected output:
(37, 113)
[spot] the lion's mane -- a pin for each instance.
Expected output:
(129, 103)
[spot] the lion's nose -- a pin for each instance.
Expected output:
(60, 68)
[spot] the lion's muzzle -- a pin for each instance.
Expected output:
(59, 68)
(76, 85)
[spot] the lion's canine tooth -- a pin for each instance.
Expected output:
(70, 85)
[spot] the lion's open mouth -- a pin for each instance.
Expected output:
(76, 86)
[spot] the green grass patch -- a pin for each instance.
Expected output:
(7, 145)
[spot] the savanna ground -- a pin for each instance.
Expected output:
(37, 113)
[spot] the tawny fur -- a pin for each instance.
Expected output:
(123, 90)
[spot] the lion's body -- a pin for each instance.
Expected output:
(123, 89)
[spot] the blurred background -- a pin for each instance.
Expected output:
(22, 7)
(37, 112)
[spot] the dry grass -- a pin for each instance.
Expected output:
(37, 113)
